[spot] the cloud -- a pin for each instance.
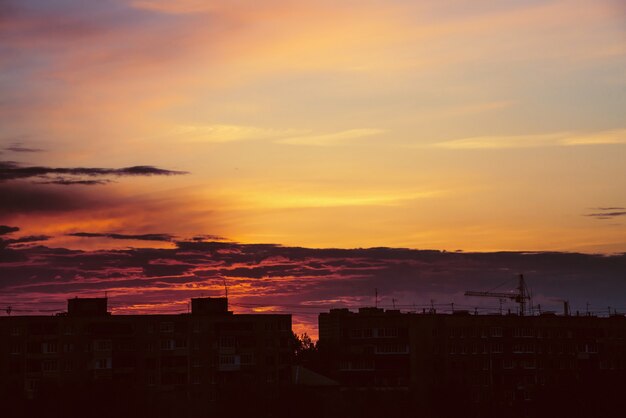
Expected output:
(5, 229)
(330, 139)
(234, 133)
(610, 137)
(25, 239)
(282, 199)
(303, 281)
(608, 213)
(141, 237)
(208, 237)
(69, 182)
(10, 170)
(27, 198)
(18, 148)
(230, 133)
(175, 6)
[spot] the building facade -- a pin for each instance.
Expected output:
(480, 365)
(198, 361)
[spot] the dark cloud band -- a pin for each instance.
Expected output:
(5, 229)
(141, 237)
(10, 170)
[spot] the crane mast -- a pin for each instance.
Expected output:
(521, 297)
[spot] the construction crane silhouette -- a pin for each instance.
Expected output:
(521, 297)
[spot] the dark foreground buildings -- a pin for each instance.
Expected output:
(88, 362)
(465, 365)
(374, 362)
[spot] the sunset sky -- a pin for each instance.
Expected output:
(448, 125)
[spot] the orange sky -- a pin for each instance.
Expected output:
(438, 124)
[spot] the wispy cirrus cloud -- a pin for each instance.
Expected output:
(20, 148)
(230, 133)
(330, 139)
(604, 213)
(220, 133)
(175, 6)
(609, 137)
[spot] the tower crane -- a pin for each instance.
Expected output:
(521, 297)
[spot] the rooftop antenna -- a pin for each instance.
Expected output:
(393, 302)
(8, 310)
(376, 297)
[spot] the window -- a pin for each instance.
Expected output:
(523, 348)
(103, 363)
(387, 332)
(50, 366)
(16, 348)
(166, 327)
(32, 384)
(68, 347)
(126, 345)
(227, 360)
(49, 347)
(361, 333)
(496, 331)
(247, 358)
(227, 342)
(102, 345)
(392, 349)
(363, 365)
(167, 344)
(497, 348)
